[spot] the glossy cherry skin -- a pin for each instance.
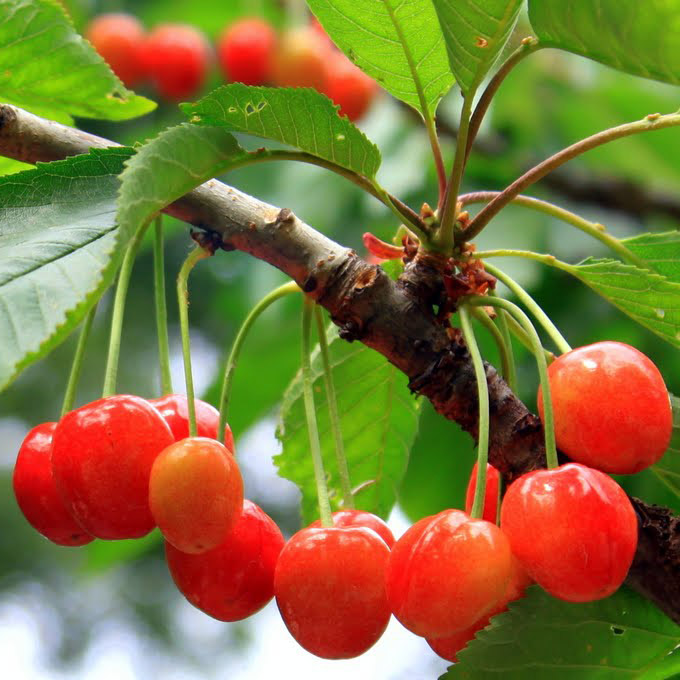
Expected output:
(491, 495)
(245, 51)
(446, 572)
(195, 493)
(361, 518)
(36, 492)
(330, 590)
(102, 455)
(573, 529)
(118, 39)
(177, 58)
(236, 579)
(301, 60)
(349, 87)
(175, 410)
(449, 647)
(611, 406)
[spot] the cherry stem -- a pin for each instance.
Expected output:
(343, 469)
(310, 414)
(523, 319)
(483, 401)
(161, 307)
(502, 342)
(195, 255)
(77, 365)
(232, 360)
(522, 336)
(533, 306)
(111, 372)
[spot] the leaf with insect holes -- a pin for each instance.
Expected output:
(475, 32)
(299, 117)
(47, 68)
(378, 419)
(641, 38)
(668, 468)
(397, 42)
(57, 242)
(623, 636)
(661, 252)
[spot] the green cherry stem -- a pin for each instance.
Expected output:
(310, 414)
(519, 332)
(533, 306)
(525, 322)
(161, 307)
(504, 349)
(232, 360)
(111, 372)
(483, 401)
(77, 365)
(195, 255)
(502, 319)
(343, 469)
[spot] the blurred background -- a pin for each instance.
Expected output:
(110, 609)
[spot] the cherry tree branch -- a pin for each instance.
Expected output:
(394, 318)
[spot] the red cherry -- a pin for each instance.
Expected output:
(177, 57)
(611, 407)
(195, 493)
(301, 60)
(449, 647)
(245, 51)
(446, 572)
(102, 455)
(330, 590)
(573, 529)
(175, 410)
(490, 497)
(236, 579)
(36, 492)
(118, 39)
(349, 87)
(361, 518)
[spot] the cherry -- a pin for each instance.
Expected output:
(449, 647)
(246, 50)
(195, 493)
(301, 60)
(118, 39)
(102, 455)
(177, 57)
(612, 410)
(349, 87)
(490, 497)
(235, 579)
(361, 518)
(446, 572)
(573, 529)
(330, 589)
(36, 492)
(174, 408)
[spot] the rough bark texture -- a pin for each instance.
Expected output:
(394, 318)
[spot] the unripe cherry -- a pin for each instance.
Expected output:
(301, 60)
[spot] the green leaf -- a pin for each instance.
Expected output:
(9, 166)
(542, 637)
(475, 32)
(668, 468)
(47, 68)
(641, 38)
(379, 421)
(661, 252)
(668, 667)
(299, 117)
(648, 298)
(57, 236)
(397, 42)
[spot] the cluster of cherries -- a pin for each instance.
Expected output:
(121, 465)
(176, 59)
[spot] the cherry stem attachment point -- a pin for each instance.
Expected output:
(161, 307)
(195, 255)
(232, 360)
(483, 401)
(341, 458)
(77, 365)
(310, 414)
(525, 322)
